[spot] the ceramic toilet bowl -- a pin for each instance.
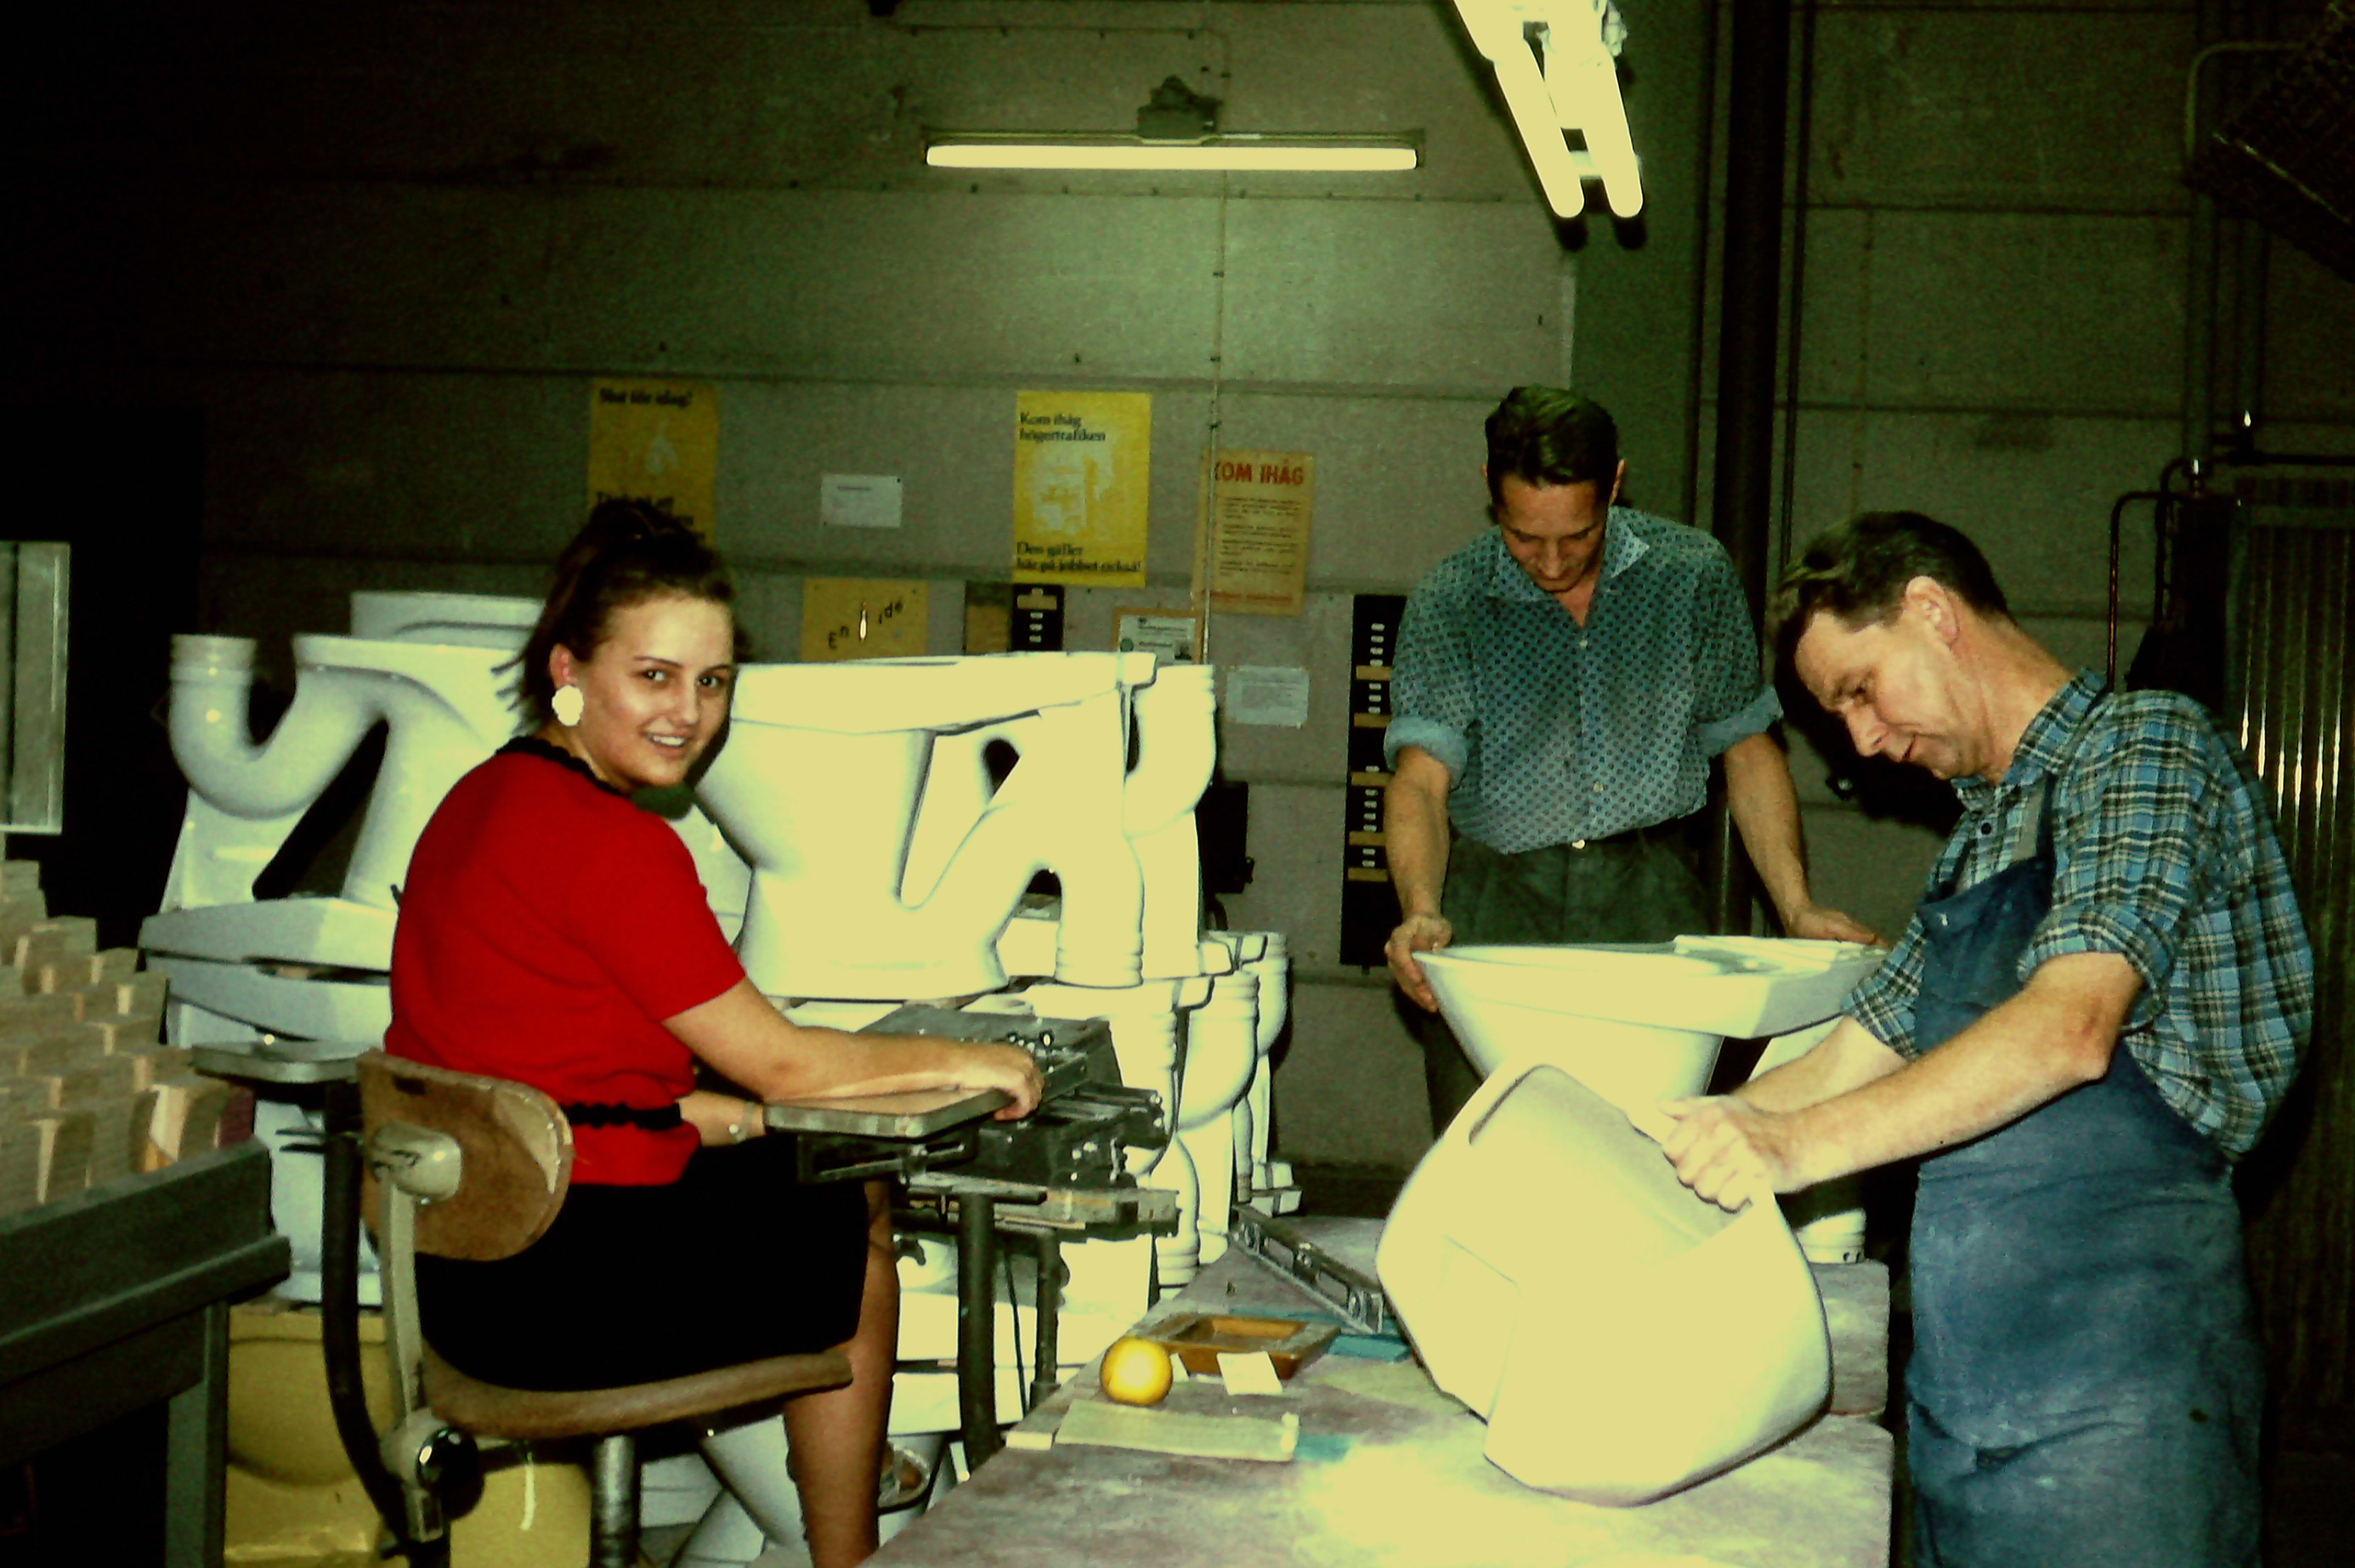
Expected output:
(819, 786)
(1621, 1337)
(1172, 721)
(445, 709)
(288, 1493)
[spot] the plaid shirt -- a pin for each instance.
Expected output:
(2167, 858)
(1553, 732)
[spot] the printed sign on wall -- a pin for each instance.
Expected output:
(1169, 635)
(1261, 503)
(1082, 471)
(863, 618)
(658, 442)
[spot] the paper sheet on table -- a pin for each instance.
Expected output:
(1094, 1423)
(1249, 1371)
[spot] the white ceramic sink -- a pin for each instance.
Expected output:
(1637, 1023)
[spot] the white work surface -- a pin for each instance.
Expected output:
(1391, 1473)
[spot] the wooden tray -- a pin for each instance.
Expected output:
(1199, 1339)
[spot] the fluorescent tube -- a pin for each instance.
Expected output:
(1324, 155)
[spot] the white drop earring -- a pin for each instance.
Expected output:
(566, 703)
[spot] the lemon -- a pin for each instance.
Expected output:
(1136, 1371)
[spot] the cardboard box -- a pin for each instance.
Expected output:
(151, 1063)
(102, 1078)
(20, 1166)
(34, 1094)
(119, 1032)
(183, 1116)
(64, 1139)
(43, 1055)
(23, 907)
(66, 936)
(112, 965)
(24, 1017)
(143, 993)
(113, 1150)
(90, 1001)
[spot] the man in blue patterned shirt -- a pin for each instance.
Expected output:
(2086, 1382)
(1562, 685)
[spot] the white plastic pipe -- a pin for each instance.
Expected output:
(441, 706)
(212, 736)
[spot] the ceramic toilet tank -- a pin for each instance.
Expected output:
(1622, 1337)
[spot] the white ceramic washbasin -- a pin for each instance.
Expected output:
(1621, 1337)
(1636, 1022)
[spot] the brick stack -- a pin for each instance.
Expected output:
(88, 1094)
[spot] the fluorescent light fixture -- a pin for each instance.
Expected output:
(1555, 66)
(1253, 154)
(1176, 129)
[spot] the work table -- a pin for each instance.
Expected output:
(1389, 1471)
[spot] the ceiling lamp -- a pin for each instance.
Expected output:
(1178, 130)
(1556, 65)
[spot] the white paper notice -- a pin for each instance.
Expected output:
(1169, 638)
(858, 500)
(1250, 1372)
(1267, 694)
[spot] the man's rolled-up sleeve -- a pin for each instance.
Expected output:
(1434, 688)
(1732, 699)
(2135, 858)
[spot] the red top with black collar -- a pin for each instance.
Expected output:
(546, 928)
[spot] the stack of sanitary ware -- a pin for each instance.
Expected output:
(87, 1094)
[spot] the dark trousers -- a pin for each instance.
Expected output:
(1643, 886)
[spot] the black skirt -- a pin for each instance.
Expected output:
(734, 1262)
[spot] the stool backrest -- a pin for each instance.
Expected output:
(515, 1146)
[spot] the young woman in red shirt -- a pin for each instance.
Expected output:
(554, 934)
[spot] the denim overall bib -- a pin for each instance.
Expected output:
(2086, 1382)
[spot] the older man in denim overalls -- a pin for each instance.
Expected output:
(2090, 1016)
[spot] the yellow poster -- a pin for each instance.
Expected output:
(1082, 469)
(863, 618)
(1261, 506)
(658, 442)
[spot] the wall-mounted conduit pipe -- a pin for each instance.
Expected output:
(1748, 296)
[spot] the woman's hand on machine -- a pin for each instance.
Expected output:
(722, 1118)
(1009, 1069)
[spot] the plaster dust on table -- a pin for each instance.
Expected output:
(1394, 1383)
(1404, 1507)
